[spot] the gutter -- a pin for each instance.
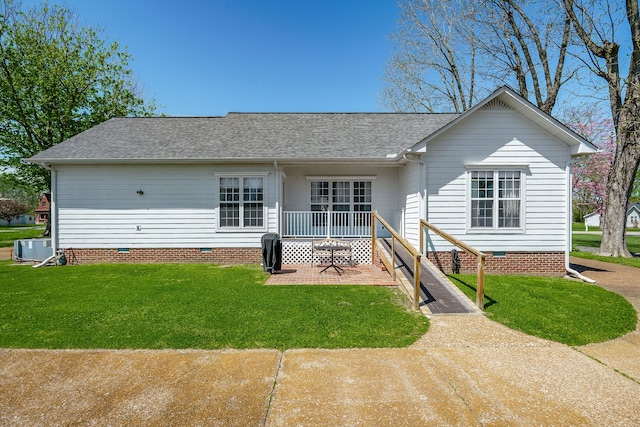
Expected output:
(393, 159)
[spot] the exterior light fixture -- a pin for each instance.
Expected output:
(140, 192)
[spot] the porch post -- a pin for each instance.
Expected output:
(373, 238)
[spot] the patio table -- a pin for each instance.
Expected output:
(332, 249)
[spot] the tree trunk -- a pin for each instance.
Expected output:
(615, 217)
(621, 178)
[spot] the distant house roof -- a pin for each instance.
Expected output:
(278, 136)
(632, 207)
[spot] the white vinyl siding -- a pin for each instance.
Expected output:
(409, 188)
(498, 140)
(98, 207)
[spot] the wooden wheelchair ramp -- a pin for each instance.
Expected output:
(437, 294)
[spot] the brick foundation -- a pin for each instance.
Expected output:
(518, 263)
(165, 255)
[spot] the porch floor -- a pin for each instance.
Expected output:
(305, 274)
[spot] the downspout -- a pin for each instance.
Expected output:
(53, 216)
(569, 218)
(54, 209)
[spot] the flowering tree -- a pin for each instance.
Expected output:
(590, 175)
(9, 209)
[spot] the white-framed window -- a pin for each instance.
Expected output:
(496, 199)
(241, 202)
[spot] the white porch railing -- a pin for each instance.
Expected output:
(326, 224)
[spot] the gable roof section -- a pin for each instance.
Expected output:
(512, 99)
(248, 137)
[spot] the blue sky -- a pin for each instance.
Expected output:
(199, 57)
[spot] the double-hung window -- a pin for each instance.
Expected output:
(496, 199)
(241, 201)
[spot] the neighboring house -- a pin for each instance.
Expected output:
(592, 220)
(633, 217)
(24, 219)
(207, 188)
(43, 209)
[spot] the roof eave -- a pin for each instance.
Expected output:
(396, 159)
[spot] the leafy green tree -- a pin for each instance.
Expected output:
(57, 79)
(12, 189)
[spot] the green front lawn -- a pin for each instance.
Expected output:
(210, 307)
(193, 306)
(562, 310)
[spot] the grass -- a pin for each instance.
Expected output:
(579, 226)
(593, 240)
(562, 310)
(9, 234)
(193, 306)
(630, 262)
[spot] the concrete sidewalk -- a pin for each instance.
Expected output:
(467, 370)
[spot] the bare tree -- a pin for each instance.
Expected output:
(529, 45)
(597, 24)
(434, 65)
(451, 53)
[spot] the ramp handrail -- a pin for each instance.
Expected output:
(480, 256)
(412, 251)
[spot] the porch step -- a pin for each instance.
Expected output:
(437, 294)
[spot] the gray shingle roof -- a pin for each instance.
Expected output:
(249, 136)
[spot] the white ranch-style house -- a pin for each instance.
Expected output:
(206, 189)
